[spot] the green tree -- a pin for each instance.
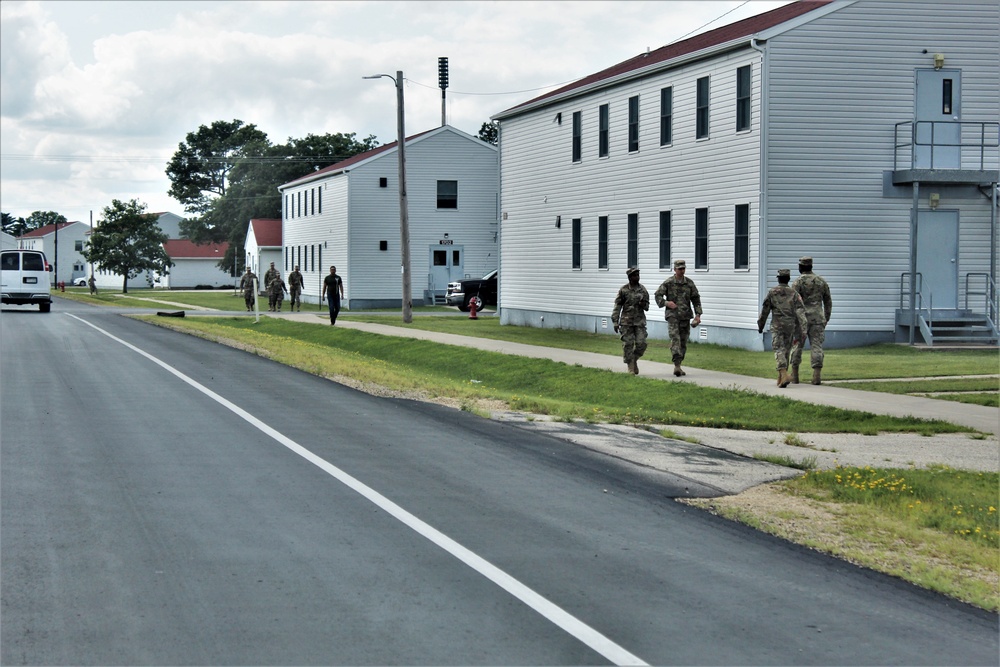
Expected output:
(199, 170)
(13, 226)
(253, 188)
(127, 241)
(490, 133)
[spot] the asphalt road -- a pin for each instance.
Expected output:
(166, 500)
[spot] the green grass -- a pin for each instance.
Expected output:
(542, 386)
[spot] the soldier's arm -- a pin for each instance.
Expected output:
(827, 302)
(765, 310)
(659, 295)
(695, 300)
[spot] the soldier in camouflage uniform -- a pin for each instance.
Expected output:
(246, 284)
(815, 295)
(295, 283)
(629, 319)
(680, 297)
(276, 293)
(788, 316)
(268, 275)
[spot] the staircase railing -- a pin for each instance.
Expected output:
(988, 291)
(917, 314)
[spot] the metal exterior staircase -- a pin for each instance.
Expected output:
(963, 326)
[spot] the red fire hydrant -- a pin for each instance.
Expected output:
(472, 309)
(62, 285)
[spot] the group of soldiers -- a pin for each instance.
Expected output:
(798, 312)
(274, 287)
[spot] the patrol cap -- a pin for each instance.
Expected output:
(679, 264)
(784, 273)
(806, 261)
(632, 271)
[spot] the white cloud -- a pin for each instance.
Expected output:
(128, 81)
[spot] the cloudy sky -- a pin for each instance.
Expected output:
(96, 96)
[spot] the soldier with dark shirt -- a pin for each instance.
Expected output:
(629, 319)
(788, 313)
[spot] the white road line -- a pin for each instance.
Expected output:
(563, 619)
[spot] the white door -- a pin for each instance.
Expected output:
(446, 265)
(937, 258)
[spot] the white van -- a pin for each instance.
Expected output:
(24, 278)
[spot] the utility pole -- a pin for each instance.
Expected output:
(404, 219)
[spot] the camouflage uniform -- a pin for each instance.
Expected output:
(788, 314)
(268, 277)
(629, 319)
(276, 293)
(815, 295)
(683, 292)
(295, 283)
(246, 284)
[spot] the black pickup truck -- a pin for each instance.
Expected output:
(483, 290)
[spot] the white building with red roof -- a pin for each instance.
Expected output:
(263, 246)
(63, 245)
(195, 266)
(863, 134)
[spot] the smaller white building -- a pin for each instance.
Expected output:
(195, 265)
(63, 247)
(8, 241)
(348, 215)
(262, 246)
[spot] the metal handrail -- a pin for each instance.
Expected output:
(905, 292)
(989, 293)
(988, 136)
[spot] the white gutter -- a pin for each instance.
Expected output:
(762, 213)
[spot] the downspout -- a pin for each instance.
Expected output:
(762, 197)
(500, 219)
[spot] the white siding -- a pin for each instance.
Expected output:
(837, 87)
(540, 182)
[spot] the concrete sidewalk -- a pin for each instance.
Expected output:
(724, 459)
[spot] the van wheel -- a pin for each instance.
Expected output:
(44, 307)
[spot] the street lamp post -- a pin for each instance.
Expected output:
(404, 222)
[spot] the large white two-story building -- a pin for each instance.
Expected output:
(863, 134)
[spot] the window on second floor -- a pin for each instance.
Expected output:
(664, 239)
(604, 130)
(447, 194)
(743, 98)
(666, 116)
(633, 239)
(602, 242)
(742, 250)
(701, 112)
(577, 135)
(78, 246)
(701, 238)
(633, 124)
(577, 243)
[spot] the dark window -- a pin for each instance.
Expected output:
(313, 257)
(664, 239)
(742, 260)
(298, 208)
(312, 208)
(701, 238)
(456, 258)
(577, 243)
(286, 207)
(743, 98)
(633, 124)
(321, 199)
(10, 261)
(701, 114)
(946, 87)
(440, 257)
(577, 135)
(633, 239)
(666, 116)
(602, 242)
(447, 194)
(78, 246)
(602, 136)
(286, 253)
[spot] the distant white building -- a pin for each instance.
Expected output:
(262, 246)
(8, 241)
(864, 134)
(195, 265)
(347, 215)
(169, 224)
(63, 247)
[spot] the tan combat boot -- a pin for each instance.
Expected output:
(817, 372)
(635, 367)
(795, 374)
(783, 378)
(630, 365)
(678, 371)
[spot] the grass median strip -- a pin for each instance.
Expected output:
(536, 385)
